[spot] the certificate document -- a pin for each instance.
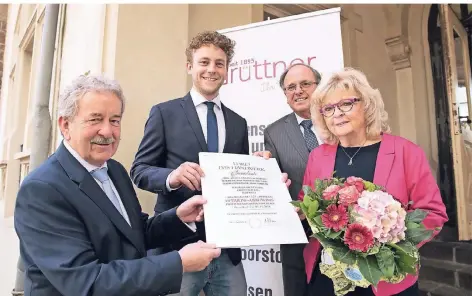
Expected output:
(247, 202)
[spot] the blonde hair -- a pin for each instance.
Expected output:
(350, 79)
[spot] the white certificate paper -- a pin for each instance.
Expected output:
(247, 202)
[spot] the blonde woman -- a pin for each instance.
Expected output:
(350, 117)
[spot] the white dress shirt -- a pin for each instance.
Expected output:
(202, 111)
(299, 120)
(89, 167)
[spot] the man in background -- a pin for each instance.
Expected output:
(289, 140)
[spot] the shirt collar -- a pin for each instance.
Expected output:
(89, 167)
(198, 99)
(299, 118)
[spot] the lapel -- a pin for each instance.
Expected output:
(193, 120)
(228, 127)
(126, 193)
(384, 163)
(327, 165)
(296, 136)
(89, 187)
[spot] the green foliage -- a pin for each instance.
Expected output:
(318, 221)
(406, 257)
(370, 270)
(417, 234)
(343, 254)
(369, 186)
(416, 216)
(333, 234)
(386, 261)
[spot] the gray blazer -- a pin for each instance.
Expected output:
(285, 141)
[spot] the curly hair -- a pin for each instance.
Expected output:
(350, 79)
(211, 38)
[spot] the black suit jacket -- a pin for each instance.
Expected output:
(74, 241)
(173, 135)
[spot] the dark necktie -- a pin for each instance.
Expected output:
(212, 128)
(310, 138)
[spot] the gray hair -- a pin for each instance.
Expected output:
(316, 74)
(70, 96)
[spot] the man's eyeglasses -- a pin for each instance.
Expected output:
(343, 106)
(304, 85)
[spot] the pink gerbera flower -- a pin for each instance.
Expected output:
(358, 237)
(335, 217)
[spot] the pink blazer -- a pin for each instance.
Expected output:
(402, 168)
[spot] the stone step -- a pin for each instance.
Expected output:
(447, 273)
(448, 234)
(458, 252)
(430, 288)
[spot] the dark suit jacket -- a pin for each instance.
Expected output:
(285, 141)
(74, 241)
(173, 135)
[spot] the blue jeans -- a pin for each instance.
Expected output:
(219, 278)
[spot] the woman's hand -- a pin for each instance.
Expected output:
(300, 213)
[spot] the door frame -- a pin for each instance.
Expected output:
(448, 23)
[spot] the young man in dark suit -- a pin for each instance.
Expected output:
(78, 219)
(166, 162)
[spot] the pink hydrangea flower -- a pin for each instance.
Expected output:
(382, 214)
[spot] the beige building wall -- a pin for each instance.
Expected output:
(3, 31)
(143, 46)
(389, 44)
(81, 50)
(150, 60)
(368, 26)
(23, 42)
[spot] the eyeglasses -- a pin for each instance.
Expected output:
(343, 106)
(304, 85)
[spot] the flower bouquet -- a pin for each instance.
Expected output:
(367, 236)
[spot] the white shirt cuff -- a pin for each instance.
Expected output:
(168, 185)
(192, 226)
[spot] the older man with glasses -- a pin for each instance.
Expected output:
(290, 139)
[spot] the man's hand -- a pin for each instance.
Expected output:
(300, 213)
(197, 256)
(265, 154)
(188, 174)
(286, 180)
(191, 210)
